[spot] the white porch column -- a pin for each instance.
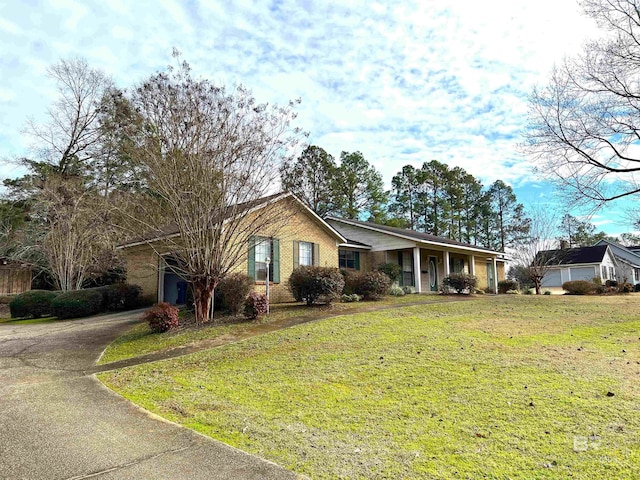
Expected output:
(417, 269)
(472, 265)
(446, 264)
(495, 275)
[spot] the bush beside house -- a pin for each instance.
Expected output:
(313, 284)
(34, 303)
(77, 303)
(460, 282)
(162, 317)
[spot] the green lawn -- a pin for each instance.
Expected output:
(140, 340)
(498, 387)
(26, 321)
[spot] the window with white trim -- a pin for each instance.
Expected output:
(263, 250)
(305, 253)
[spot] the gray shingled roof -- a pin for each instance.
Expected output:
(419, 236)
(572, 256)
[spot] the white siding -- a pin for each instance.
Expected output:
(378, 241)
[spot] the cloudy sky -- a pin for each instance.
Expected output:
(401, 81)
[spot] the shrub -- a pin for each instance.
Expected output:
(611, 283)
(512, 292)
(547, 292)
(396, 291)
(460, 282)
(311, 284)
(528, 291)
(120, 296)
(354, 297)
(234, 289)
(373, 285)
(391, 270)
(505, 285)
(408, 289)
(34, 303)
(351, 281)
(255, 305)
(162, 317)
(579, 287)
(479, 292)
(77, 303)
(625, 288)
(637, 287)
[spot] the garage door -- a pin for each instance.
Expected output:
(552, 279)
(582, 273)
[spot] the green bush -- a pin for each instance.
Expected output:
(354, 297)
(372, 285)
(34, 303)
(611, 283)
(396, 291)
(528, 291)
(234, 289)
(512, 292)
(77, 303)
(637, 287)
(313, 284)
(579, 287)
(547, 292)
(255, 305)
(460, 282)
(391, 270)
(351, 281)
(120, 296)
(479, 292)
(505, 285)
(162, 317)
(408, 289)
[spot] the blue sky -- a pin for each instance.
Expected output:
(402, 81)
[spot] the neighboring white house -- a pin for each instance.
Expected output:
(585, 263)
(628, 261)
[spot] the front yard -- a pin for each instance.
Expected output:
(499, 387)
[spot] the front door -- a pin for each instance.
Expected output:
(433, 274)
(490, 277)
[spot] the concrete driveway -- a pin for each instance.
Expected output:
(58, 422)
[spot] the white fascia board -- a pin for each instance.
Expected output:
(417, 240)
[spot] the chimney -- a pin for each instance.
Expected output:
(564, 244)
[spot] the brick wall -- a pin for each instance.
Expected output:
(295, 224)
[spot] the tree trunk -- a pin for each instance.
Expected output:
(202, 293)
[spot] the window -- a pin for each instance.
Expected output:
(262, 251)
(456, 265)
(604, 273)
(259, 249)
(349, 259)
(305, 253)
(612, 273)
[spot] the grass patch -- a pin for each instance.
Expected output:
(28, 321)
(140, 340)
(502, 387)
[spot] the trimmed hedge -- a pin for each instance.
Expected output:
(313, 284)
(34, 303)
(371, 285)
(579, 287)
(78, 303)
(162, 317)
(460, 282)
(505, 285)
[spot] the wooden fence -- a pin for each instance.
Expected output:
(14, 280)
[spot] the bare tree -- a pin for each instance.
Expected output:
(71, 137)
(209, 155)
(541, 237)
(584, 126)
(74, 230)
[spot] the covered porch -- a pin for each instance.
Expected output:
(424, 268)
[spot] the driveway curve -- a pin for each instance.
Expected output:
(57, 421)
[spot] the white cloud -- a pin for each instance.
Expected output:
(408, 81)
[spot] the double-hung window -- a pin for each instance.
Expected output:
(261, 248)
(305, 253)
